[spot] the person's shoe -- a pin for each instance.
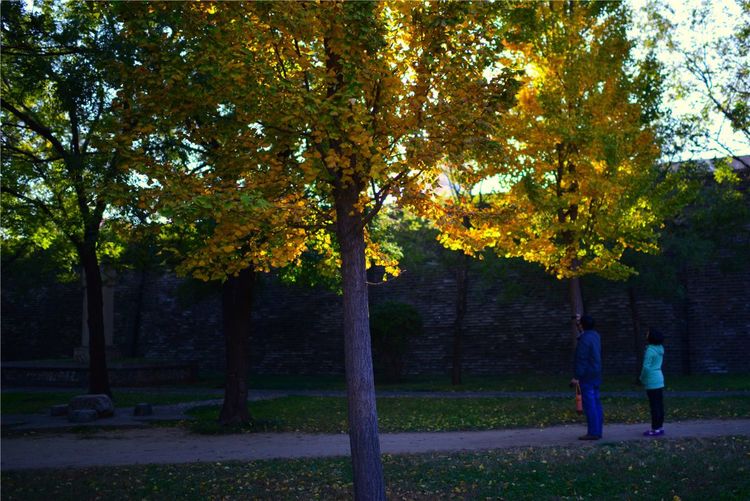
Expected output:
(589, 437)
(654, 433)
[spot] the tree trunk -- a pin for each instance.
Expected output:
(576, 306)
(236, 304)
(135, 339)
(98, 375)
(462, 289)
(363, 417)
(637, 339)
(687, 363)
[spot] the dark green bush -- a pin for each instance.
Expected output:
(392, 326)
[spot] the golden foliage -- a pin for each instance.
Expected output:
(572, 191)
(305, 100)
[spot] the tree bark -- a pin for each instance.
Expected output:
(687, 362)
(576, 306)
(236, 303)
(462, 289)
(98, 375)
(135, 339)
(637, 339)
(363, 419)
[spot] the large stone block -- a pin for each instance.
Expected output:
(82, 416)
(143, 409)
(59, 410)
(102, 404)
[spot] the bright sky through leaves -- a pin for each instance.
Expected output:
(722, 22)
(724, 17)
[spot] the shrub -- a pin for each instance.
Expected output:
(392, 326)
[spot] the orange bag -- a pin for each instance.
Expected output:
(579, 399)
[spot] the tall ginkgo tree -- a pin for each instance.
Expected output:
(227, 201)
(579, 183)
(367, 97)
(228, 227)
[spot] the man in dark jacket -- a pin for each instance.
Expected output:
(588, 373)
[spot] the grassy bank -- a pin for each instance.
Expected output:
(689, 469)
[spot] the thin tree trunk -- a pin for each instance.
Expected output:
(236, 302)
(687, 362)
(462, 289)
(135, 339)
(363, 418)
(633, 302)
(98, 375)
(566, 168)
(576, 307)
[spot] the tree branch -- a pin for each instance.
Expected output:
(99, 111)
(282, 68)
(51, 51)
(284, 130)
(29, 154)
(32, 201)
(74, 130)
(40, 129)
(381, 195)
(299, 55)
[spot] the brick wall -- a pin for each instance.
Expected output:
(41, 318)
(517, 321)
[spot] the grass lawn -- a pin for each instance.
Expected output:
(527, 382)
(29, 402)
(397, 414)
(688, 469)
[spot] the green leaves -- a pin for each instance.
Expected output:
(60, 167)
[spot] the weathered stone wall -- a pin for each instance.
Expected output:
(41, 318)
(718, 320)
(163, 317)
(517, 321)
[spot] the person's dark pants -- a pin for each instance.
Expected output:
(592, 407)
(656, 403)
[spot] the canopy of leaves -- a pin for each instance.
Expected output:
(273, 108)
(60, 165)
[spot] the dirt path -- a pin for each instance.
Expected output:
(174, 445)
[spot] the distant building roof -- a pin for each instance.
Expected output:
(738, 163)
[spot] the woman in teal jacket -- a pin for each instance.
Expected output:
(653, 380)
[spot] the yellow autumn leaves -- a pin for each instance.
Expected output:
(578, 162)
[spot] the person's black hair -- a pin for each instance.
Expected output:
(587, 323)
(655, 337)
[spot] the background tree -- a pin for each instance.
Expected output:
(710, 230)
(722, 68)
(227, 202)
(578, 184)
(418, 239)
(462, 196)
(710, 73)
(61, 168)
